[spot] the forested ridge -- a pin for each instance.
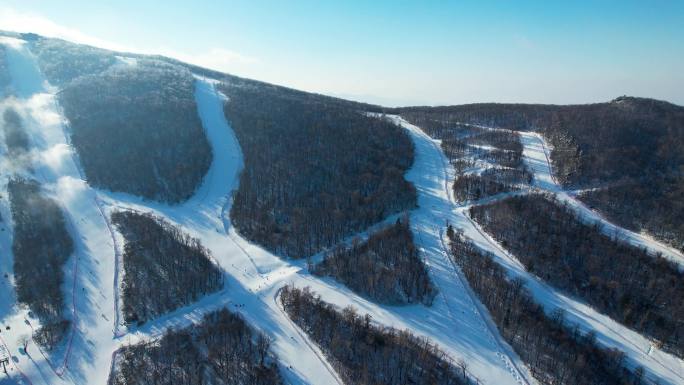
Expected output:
(363, 353)
(638, 290)
(221, 349)
(315, 171)
(556, 351)
(387, 267)
(630, 149)
(41, 246)
(164, 268)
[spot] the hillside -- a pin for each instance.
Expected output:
(165, 223)
(627, 153)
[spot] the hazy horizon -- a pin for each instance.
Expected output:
(397, 53)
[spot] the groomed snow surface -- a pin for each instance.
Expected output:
(457, 321)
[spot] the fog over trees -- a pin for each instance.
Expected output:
(221, 349)
(41, 246)
(387, 267)
(365, 353)
(164, 268)
(556, 351)
(638, 290)
(315, 170)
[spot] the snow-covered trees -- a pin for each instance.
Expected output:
(164, 268)
(364, 353)
(222, 349)
(639, 290)
(316, 170)
(41, 245)
(137, 130)
(61, 61)
(387, 267)
(555, 351)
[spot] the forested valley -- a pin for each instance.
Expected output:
(630, 149)
(222, 349)
(363, 353)
(41, 246)
(164, 268)
(387, 267)
(639, 290)
(556, 351)
(315, 170)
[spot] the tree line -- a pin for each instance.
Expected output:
(365, 353)
(16, 138)
(387, 267)
(164, 268)
(638, 290)
(555, 351)
(221, 349)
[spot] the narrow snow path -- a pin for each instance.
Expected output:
(639, 351)
(536, 153)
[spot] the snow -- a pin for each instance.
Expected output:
(457, 321)
(537, 154)
(640, 351)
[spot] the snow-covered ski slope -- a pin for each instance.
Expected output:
(254, 277)
(640, 351)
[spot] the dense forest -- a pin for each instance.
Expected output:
(137, 130)
(61, 61)
(41, 246)
(363, 353)
(387, 267)
(315, 171)
(222, 349)
(555, 351)
(639, 290)
(632, 149)
(16, 139)
(164, 268)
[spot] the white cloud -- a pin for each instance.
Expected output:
(12, 20)
(215, 58)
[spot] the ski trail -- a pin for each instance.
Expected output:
(436, 207)
(90, 267)
(537, 156)
(640, 351)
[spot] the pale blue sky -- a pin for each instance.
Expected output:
(398, 52)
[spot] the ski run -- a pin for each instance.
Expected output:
(456, 321)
